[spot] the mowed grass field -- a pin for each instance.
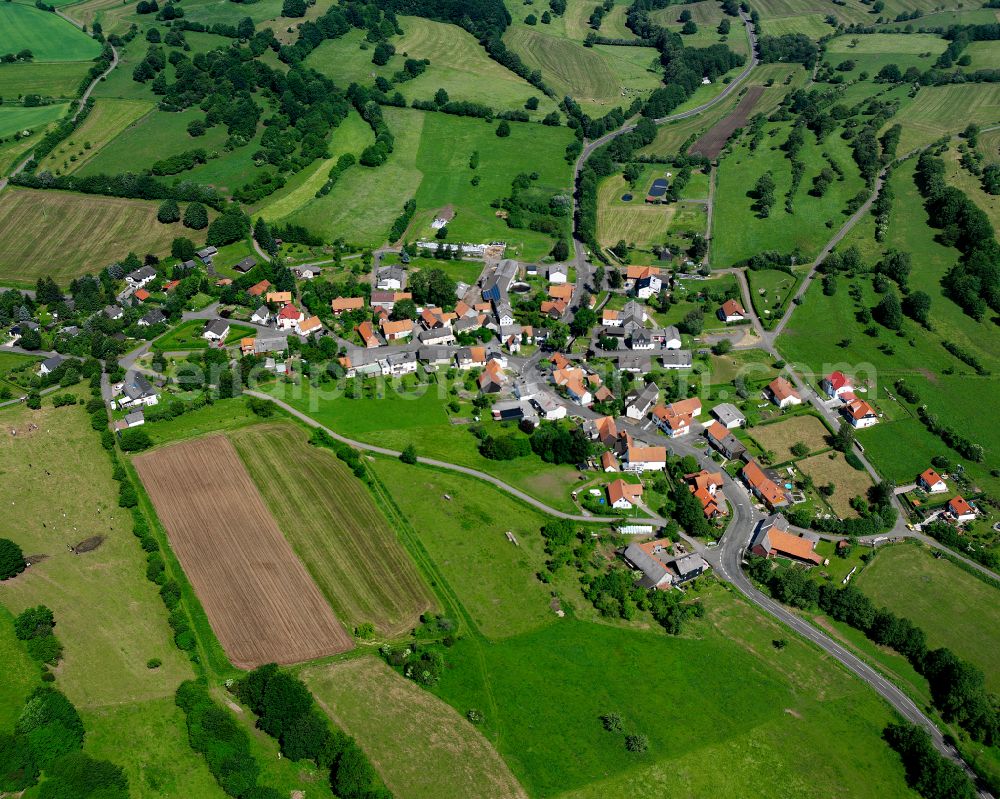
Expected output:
(107, 120)
(328, 517)
(780, 437)
(48, 80)
(48, 36)
(932, 113)
(109, 618)
(20, 673)
(63, 235)
(635, 222)
(871, 52)
(421, 747)
(262, 603)
(17, 118)
(848, 482)
(952, 607)
(596, 77)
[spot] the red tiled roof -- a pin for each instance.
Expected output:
(340, 304)
(781, 389)
(142, 295)
(783, 543)
(289, 312)
(619, 489)
(259, 288)
(930, 477)
(733, 308)
(958, 506)
(838, 380)
(771, 493)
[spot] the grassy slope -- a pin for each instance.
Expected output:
(18, 671)
(900, 446)
(64, 235)
(108, 616)
(954, 608)
(422, 748)
(49, 37)
(105, 122)
(931, 114)
(421, 418)
(329, 519)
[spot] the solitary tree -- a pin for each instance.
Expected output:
(409, 454)
(503, 129)
(168, 212)
(11, 559)
(195, 216)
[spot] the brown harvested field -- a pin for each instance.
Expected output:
(263, 605)
(712, 142)
(421, 747)
(848, 481)
(780, 437)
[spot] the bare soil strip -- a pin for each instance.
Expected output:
(262, 603)
(712, 142)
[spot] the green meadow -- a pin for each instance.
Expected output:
(17, 118)
(60, 79)
(48, 36)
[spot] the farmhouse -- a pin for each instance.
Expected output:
(763, 487)
(668, 337)
(675, 419)
(437, 337)
(388, 299)
(49, 365)
(835, 384)
(641, 459)
(729, 415)
(554, 309)
(633, 362)
(960, 509)
(215, 330)
(731, 311)
(574, 380)
(624, 496)
(492, 378)
(512, 411)
(140, 277)
(309, 326)
(782, 393)
(639, 401)
(498, 283)
(688, 567)
(646, 287)
(706, 487)
(562, 292)
(548, 408)
(651, 558)
(724, 441)
(859, 413)
(773, 540)
(931, 482)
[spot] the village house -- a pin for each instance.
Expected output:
(504, 313)
(677, 359)
(835, 384)
(772, 539)
(133, 419)
(646, 287)
(278, 297)
(557, 273)
(437, 336)
(400, 363)
(931, 482)
(604, 430)
(396, 331)
(651, 558)
(859, 413)
(562, 291)
(49, 365)
(642, 459)
(635, 273)
(309, 326)
(113, 312)
(434, 356)
(675, 419)
(763, 487)
(289, 317)
(264, 344)
(610, 318)
(548, 408)
(247, 345)
(261, 316)
(492, 379)
(554, 309)
(669, 338)
(638, 402)
(390, 278)
(307, 272)
(137, 390)
(244, 265)
(388, 299)
(960, 509)
(368, 335)
(141, 295)
(140, 277)
(724, 441)
(729, 415)
(206, 255)
(633, 362)
(470, 357)
(575, 381)
(154, 317)
(215, 330)
(622, 495)
(731, 311)
(707, 489)
(782, 393)
(258, 289)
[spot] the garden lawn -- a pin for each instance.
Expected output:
(106, 121)
(329, 518)
(635, 222)
(14, 119)
(848, 482)
(954, 608)
(739, 233)
(771, 290)
(420, 746)
(44, 79)
(780, 437)
(187, 336)
(779, 710)
(420, 418)
(47, 35)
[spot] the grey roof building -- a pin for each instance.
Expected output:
(729, 415)
(676, 359)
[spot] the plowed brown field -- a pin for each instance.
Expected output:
(712, 142)
(262, 603)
